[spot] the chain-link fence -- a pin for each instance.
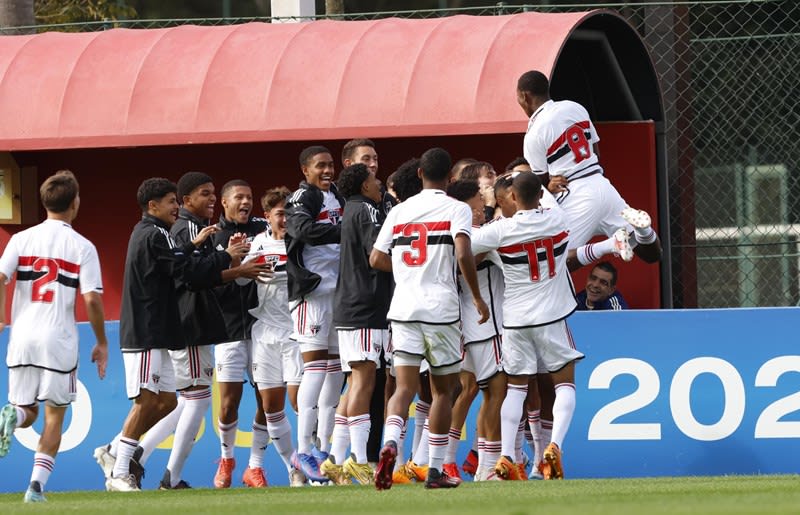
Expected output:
(728, 75)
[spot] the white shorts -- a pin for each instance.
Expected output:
(276, 358)
(150, 369)
(194, 366)
(362, 345)
(545, 348)
(234, 360)
(593, 207)
(312, 324)
(440, 345)
(483, 359)
(29, 385)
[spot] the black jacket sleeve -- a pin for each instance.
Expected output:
(301, 222)
(188, 267)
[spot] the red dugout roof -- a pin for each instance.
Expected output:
(273, 82)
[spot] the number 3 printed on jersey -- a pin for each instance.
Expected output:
(419, 244)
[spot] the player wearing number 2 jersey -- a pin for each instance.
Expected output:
(52, 262)
(538, 298)
(428, 235)
(560, 145)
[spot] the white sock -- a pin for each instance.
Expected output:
(227, 438)
(392, 429)
(421, 455)
(22, 415)
(421, 411)
(195, 406)
(481, 451)
(280, 431)
(454, 438)
(644, 235)
(259, 445)
(307, 399)
(125, 450)
(328, 401)
(437, 445)
(491, 453)
(563, 408)
(510, 413)
(547, 432)
(536, 432)
(341, 439)
(42, 467)
(401, 443)
(161, 431)
(359, 434)
(114, 445)
(592, 252)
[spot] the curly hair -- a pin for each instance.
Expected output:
(406, 181)
(351, 179)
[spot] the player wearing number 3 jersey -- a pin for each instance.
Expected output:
(560, 146)
(52, 263)
(427, 236)
(532, 245)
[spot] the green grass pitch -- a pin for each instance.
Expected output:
(697, 495)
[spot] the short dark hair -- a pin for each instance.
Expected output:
(611, 269)
(274, 196)
(390, 180)
(154, 188)
(59, 191)
(351, 179)
(350, 147)
(190, 181)
(527, 187)
(535, 83)
(309, 152)
(406, 180)
(463, 189)
(515, 163)
(232, 184)
(472, 171)
(435, 164)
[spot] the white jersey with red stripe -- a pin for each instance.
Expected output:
(52, 262)
(560, 140)
(273, 293)
(324, 259)
(420, 233)
(492, 286)
(532, 246)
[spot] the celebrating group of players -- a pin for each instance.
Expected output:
(456, 280)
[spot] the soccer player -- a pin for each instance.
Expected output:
(428, 235)
(234, 357)
(560, 145)
(364, 151)
(312, 238)
(538, 298)
(362, 298)
(51, 262)
(277, 364)
(482, 366)
(150, 320)
(601, 292)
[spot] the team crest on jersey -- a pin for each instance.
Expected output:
(315, 329)
(335, 216)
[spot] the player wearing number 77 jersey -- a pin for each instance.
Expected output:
(52, 262)
(532, 244)
(560, 147)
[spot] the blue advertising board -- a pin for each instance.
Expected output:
(660, 393)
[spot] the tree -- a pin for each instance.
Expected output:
(16, 13)
(50, 12)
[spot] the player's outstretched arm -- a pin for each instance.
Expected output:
(466, 263)
(94, 308)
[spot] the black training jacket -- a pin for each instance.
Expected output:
(149, 315)
(302, 229)
(201, 314)
(237, 301)
(363, 294)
